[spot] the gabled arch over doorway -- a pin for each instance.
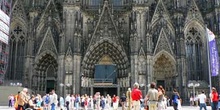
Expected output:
(164, 70)
(45, 77)
(105, 48)
(105, 52)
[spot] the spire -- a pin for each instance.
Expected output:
(194, 13)
(48, 43)
(163, 43)
(106, 27)
(160, 11)
(69, 50)
(50, 12)
(18, 10)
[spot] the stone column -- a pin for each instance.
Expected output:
(118, 90)
(91, 90)
(60, 74)
(76, 73)
(149, 69)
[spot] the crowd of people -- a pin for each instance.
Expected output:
(23, 100)
(202, 100)
(157, 100)
(133, 100)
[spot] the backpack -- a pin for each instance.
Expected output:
(102, 103)
(77, 100)
(47, 100)
(175, 99)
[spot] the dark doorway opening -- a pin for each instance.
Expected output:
(161, 83)
(105, 91)
(50, 85)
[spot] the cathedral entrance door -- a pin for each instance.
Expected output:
(46, 73)
(105, 78)
(161, 82)
(50, 85)
(164, 71)
(106, 90)
(105, 73)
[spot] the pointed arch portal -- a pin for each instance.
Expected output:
(105, 60)
(44, 79)
(105, 51)
(164, 70)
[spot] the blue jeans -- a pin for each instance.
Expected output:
(53, 106)
(215, 105)
(202, 105)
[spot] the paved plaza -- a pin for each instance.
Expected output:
(169, 108)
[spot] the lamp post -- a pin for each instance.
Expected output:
(68, 87)
(142, 88)
(62, 85)
(193, 85)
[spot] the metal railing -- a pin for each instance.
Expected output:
(102, 81)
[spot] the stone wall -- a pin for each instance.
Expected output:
(5, 91)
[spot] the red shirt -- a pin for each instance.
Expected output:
(114, 99)
(136, 94)
(214, 96)
(86, 102)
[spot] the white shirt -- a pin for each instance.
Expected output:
(202, 98)
(67, 98)
(53, 98)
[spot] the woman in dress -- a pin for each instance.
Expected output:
(161, 104)
(108, 102)
(72, 102)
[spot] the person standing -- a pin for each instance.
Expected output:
(11, 100)
(86, 103)
(136, 95)
(123, 101)
(53, 100)
(91, 102)
(175, 99)
(23, 99)
(46, 100)
(62, 103)
(67, 101)
(191, 101)
(97, 100)
(129, 99)
(202, 100)
(161, 99)
(16, 100)
(102, 103)
(108, 102)
(214, 99)
(114, 102)
(152, 97)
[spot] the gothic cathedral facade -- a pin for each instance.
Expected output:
(85, 46)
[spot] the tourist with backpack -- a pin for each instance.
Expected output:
(46, 101)
(123, 101)
(175, 99)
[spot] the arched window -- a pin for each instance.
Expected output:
(193, 54)
(17, 52)
(50, 71)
